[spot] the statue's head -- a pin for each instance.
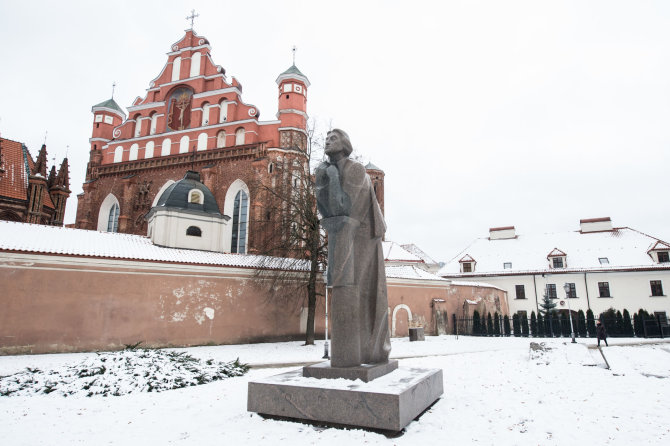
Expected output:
(337, 141)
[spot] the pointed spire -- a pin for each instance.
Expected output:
(52, 176)
(41, 163)
(63, 178)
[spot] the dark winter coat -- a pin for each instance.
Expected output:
(601, 332)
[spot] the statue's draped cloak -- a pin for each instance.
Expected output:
(363, 254)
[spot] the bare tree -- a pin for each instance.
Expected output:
(290, 229)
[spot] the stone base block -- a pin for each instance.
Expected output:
(365, 372)
(417, 334)
(387, 403)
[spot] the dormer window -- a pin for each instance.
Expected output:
(660, 252)
(196, 197)
(467, 264)
(604, 260)
(557, 259)
(507, 265)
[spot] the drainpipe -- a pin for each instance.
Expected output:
(537, 305)
(588, 303)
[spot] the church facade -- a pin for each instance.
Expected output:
(192, 118)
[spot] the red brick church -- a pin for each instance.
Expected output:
(27, 193)
(192, 118)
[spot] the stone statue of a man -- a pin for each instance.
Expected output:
(355, 226)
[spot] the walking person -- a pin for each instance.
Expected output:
(601, 333)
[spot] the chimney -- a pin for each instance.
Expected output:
(502, 233)
(595, 225)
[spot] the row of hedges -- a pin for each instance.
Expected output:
(557, 324)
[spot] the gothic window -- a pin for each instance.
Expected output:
(194, 231)
(179, 109)
(133, 152)
(176, 68)
(223, 111)
(113, 219)
(271, 168)
(138, 126)
(118, 154)
(166, 146)
(205, 114)
(221, 139)
(239, 136)
(195, 64)
(183, 144)
(154, 123)
(149, 150)
(240, 215)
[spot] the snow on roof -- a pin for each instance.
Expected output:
(24, 237)
(394, 252)
(411, 272)
(624, 248)
(412, 248)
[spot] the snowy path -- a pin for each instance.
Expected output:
(494, 394)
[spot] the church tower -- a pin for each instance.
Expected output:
(292, 108)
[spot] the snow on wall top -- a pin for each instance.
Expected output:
(26, 237)
(624, 248)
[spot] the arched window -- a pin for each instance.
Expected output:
(239, 136)
(176, 68)
(238, 242)
(205, 113)
(195, 64)
(108, 216)
(154, 123)
(223, 111)
(183, 144)
(149, 150)
(271, 167)
(133, 152)
(118, 154)
(221, 139)
(163, 188)
(166, 146)
(196, 196)
(113, 219)
(138, 126)
(194, 231)
(202, 141)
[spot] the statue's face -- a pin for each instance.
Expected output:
(333, 144)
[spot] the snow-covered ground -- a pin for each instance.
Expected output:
(496, 391)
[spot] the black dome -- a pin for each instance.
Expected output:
(176, 196)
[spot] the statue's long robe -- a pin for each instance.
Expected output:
(358, 247)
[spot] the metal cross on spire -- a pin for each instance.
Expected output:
(192, 17)
(113, 87)
(294, 49)
(46, 132)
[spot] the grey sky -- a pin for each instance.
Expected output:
(481, 113)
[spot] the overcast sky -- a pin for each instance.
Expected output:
(481, 113)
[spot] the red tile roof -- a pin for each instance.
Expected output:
(14, 180)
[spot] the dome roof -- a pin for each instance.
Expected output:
(177, 195)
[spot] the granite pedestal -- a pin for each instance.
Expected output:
(389, 403)
(364, 372)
